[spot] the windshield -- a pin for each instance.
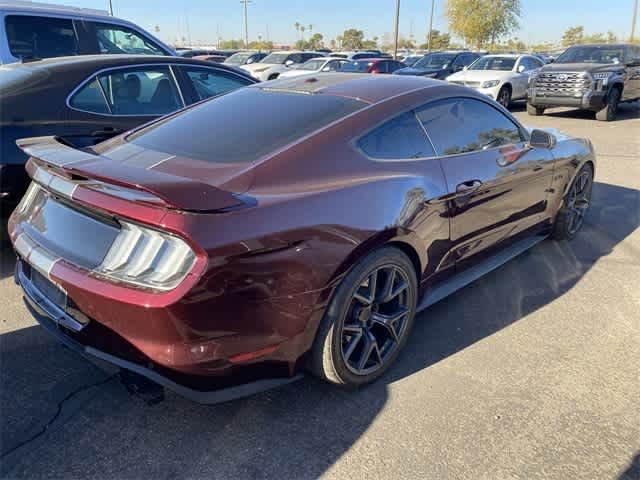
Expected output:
(359, 66)
(276, 58)
(313, 65)
(493, 63)
(243, 126)
(435, 60)
(592, 54)
(238, 58)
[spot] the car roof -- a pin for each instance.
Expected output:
(99, 62)
(363, 87)
(51, 8)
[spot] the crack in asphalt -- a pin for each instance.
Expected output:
(55, 416)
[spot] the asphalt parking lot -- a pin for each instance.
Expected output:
(531, 372)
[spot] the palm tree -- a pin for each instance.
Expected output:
(302, 29)
(310, 28)
(297, 26)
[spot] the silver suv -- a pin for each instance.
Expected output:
(30, 30)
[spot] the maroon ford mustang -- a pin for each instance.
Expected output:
(296, 224)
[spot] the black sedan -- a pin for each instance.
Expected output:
(87, 99)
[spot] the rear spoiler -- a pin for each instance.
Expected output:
(63, 168)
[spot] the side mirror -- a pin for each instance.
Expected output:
(551, 60)
(250, 61)
(326, 69)
(520, 68)
(288, 63)
(542, 139)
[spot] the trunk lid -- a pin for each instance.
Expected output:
(173, 181)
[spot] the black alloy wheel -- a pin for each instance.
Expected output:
(376, 320)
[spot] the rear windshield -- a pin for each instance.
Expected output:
(244, 125)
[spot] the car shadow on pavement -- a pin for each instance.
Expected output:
(297, 431)
(7, 262)
(626, 111)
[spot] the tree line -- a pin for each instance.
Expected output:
(483, 24)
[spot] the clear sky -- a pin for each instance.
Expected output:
(542, 20)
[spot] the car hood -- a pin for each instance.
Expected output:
(480, 75)
(176, 182)
(581, 67)
(417, 71)
(254, 67)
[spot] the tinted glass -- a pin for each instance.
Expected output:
(40, 37)
(243, 125)
(435, 60)
(238, 58)
(117, 39)
(399, 139)
(461, 125)
(140, 91)
(359, 66)
(494, 63)
(592, 54)
(211, 83)
(276, 58)
(90, 98)
(312, 65)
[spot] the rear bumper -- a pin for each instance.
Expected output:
(592, 100)
(59, 324)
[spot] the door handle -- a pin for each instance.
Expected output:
(468, 187)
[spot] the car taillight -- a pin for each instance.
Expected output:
(148, 258)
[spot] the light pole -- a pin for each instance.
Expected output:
(633, 20)
(430, 25)
(246, 23)
(110, 8)
(395, 48)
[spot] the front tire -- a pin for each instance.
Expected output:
(368, 320)
(610, 110)
(534, 111)
(576, 203)
(504, 97)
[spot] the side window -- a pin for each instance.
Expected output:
(333, 66)
(399, 139)
(535, 63)
(140, 91)
(459, 61)
(118, 39)
(461, 125)
(32, 37)
(308, 56)
(90, 98)
(382, 67)
(207, 82)
(296, 58)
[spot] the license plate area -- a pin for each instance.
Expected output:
(45, 287)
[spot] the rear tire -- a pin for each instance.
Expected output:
(368, 320)
(534, 111)
(575, 205)
(609, 112)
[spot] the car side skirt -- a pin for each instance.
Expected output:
(464, 278)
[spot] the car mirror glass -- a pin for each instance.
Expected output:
(542, 139)
(520, 68)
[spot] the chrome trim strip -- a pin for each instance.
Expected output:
(175, 80)
(35, 255)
